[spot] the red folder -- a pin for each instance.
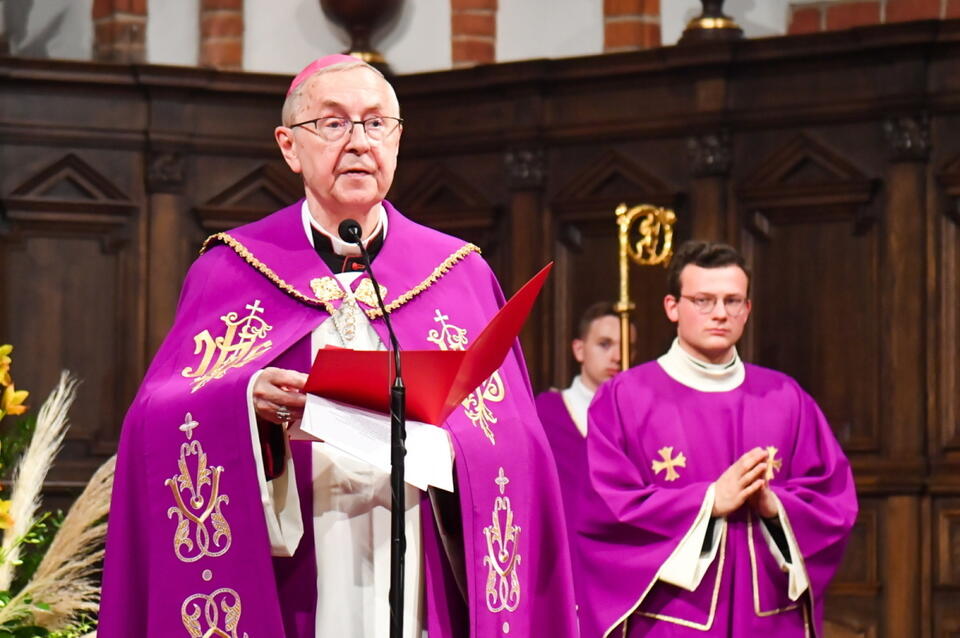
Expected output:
(436, 380)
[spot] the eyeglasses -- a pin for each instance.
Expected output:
(333, 129)
(706, 303)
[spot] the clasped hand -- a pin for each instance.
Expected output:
(745, 481)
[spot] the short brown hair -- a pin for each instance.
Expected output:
(704, 254)
(592, 313)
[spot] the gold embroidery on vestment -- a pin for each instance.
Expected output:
(201, 614)
(372, 313)
(197, 510)
(476, 405)
(242, 342)
(668, 463)
(326, 289)
(367, 295)
(704, 626)
(503, 558)
(753, 573)
(773, 464)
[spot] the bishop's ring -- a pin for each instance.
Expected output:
(283, 415)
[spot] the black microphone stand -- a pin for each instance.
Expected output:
(398, 434)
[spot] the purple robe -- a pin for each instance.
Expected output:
(569, 449)
(633, 516)
(188, 552)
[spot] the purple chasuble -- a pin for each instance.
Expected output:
(653, 449)
(188, 552)
(569, 449)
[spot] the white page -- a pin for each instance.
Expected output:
(366, 435)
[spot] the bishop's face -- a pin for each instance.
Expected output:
(349, 176)
(710, 335)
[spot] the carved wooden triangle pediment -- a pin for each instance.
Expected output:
(613, 178)
(263, 190)
(70, 184)
(438, 188)
(444, 199)
(805, 180)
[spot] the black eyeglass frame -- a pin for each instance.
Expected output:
(353, 123)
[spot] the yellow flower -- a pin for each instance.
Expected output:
(12, 401)
(5, 362)
(6, 521)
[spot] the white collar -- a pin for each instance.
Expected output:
(341, 247)
(684, 368)
(577, 399)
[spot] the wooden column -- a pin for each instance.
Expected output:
(167, 210)
(710, 160)
(903, 360)
(525, 175)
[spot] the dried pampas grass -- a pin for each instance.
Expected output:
(64, 580)
(32, 470)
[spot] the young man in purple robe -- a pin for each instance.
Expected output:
(719, 501)
(564, 412)
(222, 526)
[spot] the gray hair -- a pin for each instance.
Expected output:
(292, 103)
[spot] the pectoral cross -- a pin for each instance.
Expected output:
(669, 462)
(773, 464)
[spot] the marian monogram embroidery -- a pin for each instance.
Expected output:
(773, 464)
(201, 614)
(198, 501)
(668, 463)
(502, 559)
(242, 342)
(477, 404)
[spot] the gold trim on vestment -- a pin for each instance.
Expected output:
(372, 313)
(756, 583)
(713, 601)
(680, 621)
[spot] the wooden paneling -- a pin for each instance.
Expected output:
(831, 160)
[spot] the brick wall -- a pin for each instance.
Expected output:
(119, 30)
(221, 34)
(473, 32)
(629, 25)
(832, 15)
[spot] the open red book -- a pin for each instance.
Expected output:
(436, 380)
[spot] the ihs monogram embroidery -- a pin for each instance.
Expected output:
(196, 508)
(773, 464)
(225, 599)
(475, 406)
(236, 348)
(668, 463)
(502, 559)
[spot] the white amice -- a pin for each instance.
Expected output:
(577, 400)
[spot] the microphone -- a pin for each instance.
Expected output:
(350, 232)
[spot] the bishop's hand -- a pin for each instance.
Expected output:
(278, 395)
(739, 482)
